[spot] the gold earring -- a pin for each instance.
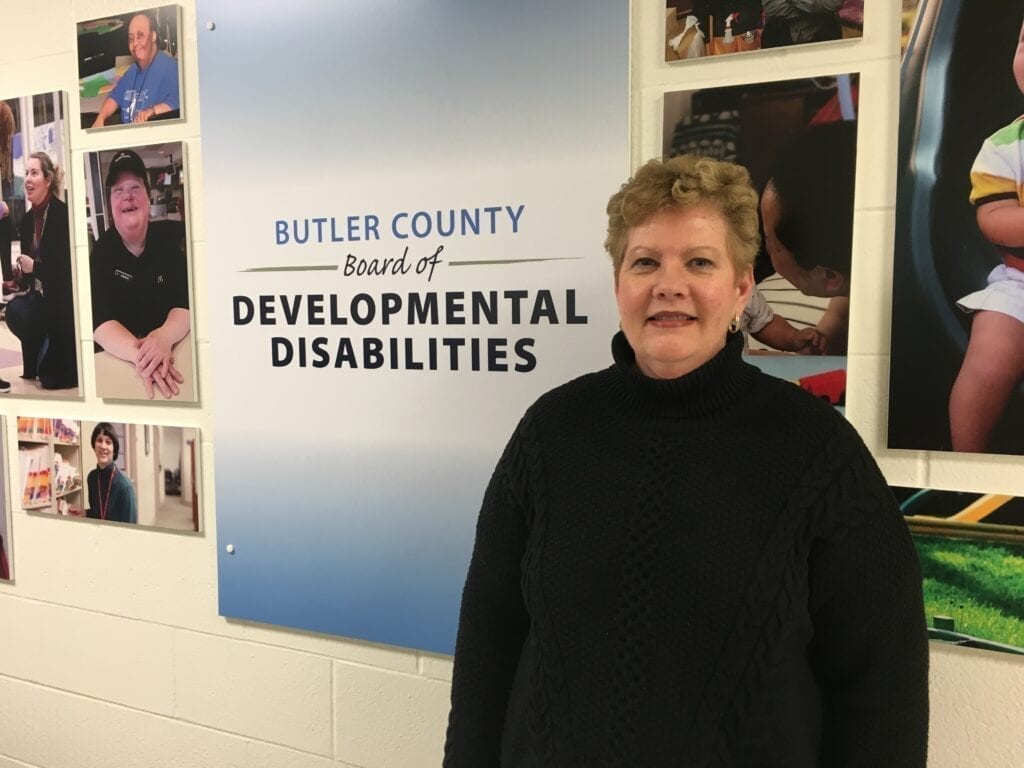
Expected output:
(734, 326)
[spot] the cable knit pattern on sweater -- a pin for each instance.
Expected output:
(707, 571)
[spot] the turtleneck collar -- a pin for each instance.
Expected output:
(709, 388)
(105, 471)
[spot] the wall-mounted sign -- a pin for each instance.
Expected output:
(404, 216)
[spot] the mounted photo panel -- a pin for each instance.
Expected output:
(971, 547)
(139, 270)
(129, 68)
(138, 474)
(696, 29)
(38, 337)
(956, 379)
(798, 140)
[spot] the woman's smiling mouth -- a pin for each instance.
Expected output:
(669, 319)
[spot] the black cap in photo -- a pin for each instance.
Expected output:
(125, 160)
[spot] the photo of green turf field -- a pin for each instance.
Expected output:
(971, 547)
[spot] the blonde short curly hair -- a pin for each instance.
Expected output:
(684, 182)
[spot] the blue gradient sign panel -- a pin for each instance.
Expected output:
(404, 216)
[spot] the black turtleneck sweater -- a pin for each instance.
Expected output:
(705, 571)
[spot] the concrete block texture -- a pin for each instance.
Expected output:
(7, 762)
(44, 728)
(272, 694)
(106, 657)
(387, 719)
(976, 703)
(436, 667)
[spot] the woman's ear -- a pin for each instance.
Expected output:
(745, 285)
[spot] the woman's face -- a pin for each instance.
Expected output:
(141, 41)
(677, 290)
(36, 184)
(104, 448)
(129, 204)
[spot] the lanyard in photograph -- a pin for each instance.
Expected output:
(104, 505)
(37, 240)
(136, 90)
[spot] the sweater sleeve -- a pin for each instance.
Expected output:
(122, 502)
(870, 646)
(493, 621)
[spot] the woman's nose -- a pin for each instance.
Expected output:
(672, 281)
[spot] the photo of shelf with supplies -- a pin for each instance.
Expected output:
(49, 455)
(118, 472)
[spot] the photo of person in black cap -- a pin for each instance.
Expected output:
(139, 268)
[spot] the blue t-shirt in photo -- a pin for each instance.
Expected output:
(139, 89)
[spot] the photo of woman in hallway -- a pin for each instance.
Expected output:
(159, 462)
(143, 474)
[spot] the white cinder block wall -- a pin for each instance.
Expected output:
(112, 653)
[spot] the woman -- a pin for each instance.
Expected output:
(680, 560)
(139, 276)
(44, 318)
(111, 495)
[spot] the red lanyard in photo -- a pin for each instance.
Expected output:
(37, 233)
(105, 503)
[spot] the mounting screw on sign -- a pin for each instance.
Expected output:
(211, 25)
(230, 549)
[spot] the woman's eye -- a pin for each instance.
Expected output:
(702, 263)
(644, 261)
